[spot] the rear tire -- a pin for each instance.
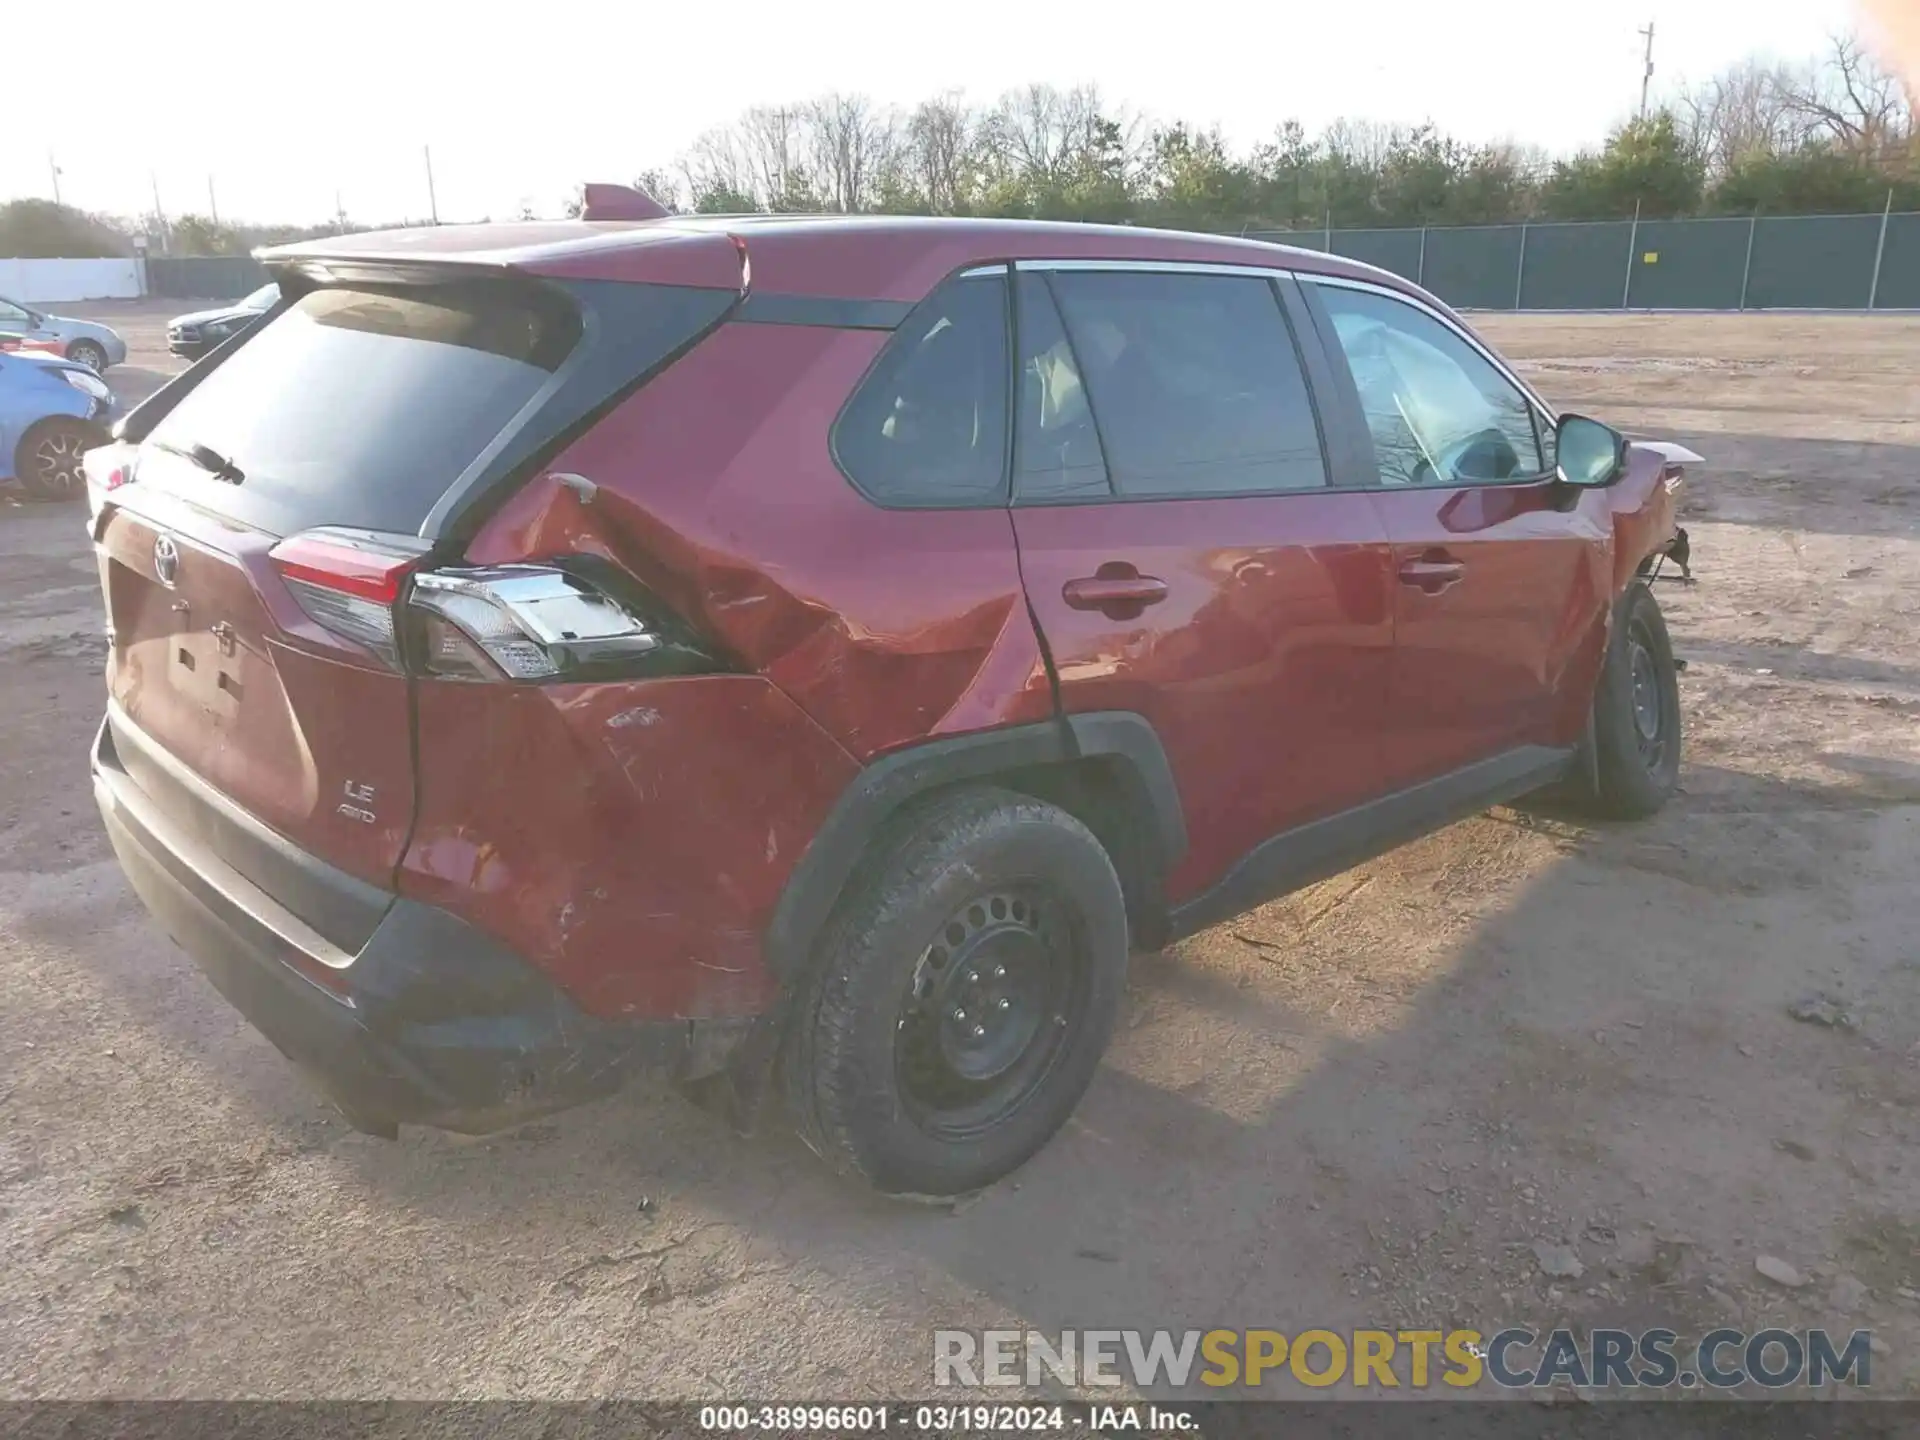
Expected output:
(89, 353)
(961, 997)
(1636, 713)
(47, 461)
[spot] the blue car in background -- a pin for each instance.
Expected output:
(52, 412)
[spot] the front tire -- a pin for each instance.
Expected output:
(962, 996)
(89, 353)
(47, 461)
(1636, 713)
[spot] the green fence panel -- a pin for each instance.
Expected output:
(1688, 264)
(204, 277)
(1900, 265)
(1822, 262)
(1474, 267)
(1395, 250)
(1575, 267)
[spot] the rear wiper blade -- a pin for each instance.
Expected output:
(206, 457)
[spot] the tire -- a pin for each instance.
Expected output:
(1636, 713)
(889, 1078)
(47, 462)
(89, 353)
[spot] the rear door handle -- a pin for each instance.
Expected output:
(1431, 574)
(1119, 596)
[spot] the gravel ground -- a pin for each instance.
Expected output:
(1364, 1105)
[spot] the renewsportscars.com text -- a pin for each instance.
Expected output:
(1512, 1358)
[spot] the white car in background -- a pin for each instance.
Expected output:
(81, 341)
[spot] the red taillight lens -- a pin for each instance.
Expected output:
(362, 564)
(349, 581)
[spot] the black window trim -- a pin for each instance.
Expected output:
(1000, 274)
(1541, 414)
(772, 307)
(1276, 281)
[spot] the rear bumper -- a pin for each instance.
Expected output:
(431, 1022)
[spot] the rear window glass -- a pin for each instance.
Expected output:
(361, 407)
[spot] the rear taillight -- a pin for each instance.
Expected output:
(522, 622)
(349, 581)
(488, 623)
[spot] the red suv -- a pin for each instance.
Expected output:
(822, 648)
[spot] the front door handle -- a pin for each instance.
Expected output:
(1120, 596)
(1432, 573)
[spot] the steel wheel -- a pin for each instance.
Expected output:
(49, 463)
(992, 1001)
(88, 353)
(1651, 723)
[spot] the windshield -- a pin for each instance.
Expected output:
(261, 299)
(361, 407)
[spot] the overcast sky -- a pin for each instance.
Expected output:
(283, 106)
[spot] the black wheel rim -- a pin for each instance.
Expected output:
(56, 463)
(993, 1001)
(1652, 721)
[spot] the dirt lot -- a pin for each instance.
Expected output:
(1361, 1106)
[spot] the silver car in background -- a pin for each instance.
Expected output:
(81, 341)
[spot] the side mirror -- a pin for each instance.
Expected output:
(1590, 454)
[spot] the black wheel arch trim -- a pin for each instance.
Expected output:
(897, 779)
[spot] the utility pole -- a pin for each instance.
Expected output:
(1646, 77)
(339, 213)
(213, 205)
(159, 215)
(55, 168)
(433, 205)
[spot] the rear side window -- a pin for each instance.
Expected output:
(928, 426)
(1194, 383)
(361, 407)
(1057, 453)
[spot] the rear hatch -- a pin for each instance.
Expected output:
(255, 548)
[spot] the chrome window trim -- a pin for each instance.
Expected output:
(1343, 282)
(1169, 267)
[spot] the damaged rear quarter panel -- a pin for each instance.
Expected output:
(717, 489)
(630, 839)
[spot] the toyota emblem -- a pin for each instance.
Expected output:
(166, 560)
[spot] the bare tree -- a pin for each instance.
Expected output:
(1851, 101)
(1739, 113)
(660, 184)
(716, 165)
(773, 139)
(849, 144)
(940, 138)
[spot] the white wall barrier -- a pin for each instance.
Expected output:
(33, 282)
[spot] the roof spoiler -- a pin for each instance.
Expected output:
(619, 202)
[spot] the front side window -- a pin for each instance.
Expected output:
(928, 426)
(1193, 381)
(11, 314)
(1439, 412)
